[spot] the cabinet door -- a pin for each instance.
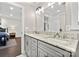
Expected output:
(34, 51)
(30, 46)
(47, 53)
(53, 54)
(33, 47)
(34, 41)
(53, 49)
(27, 45)
(42, 53)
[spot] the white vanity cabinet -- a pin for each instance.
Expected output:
(30, 46)
(42, 53)
(33, 47)
(49, 52)
(27, 45)
(34, 51)
(46, 53)
(37, 48)
(52, 50)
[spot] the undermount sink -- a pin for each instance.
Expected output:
(52, 36)
(64, 40)
(49, 37)
(59, 39)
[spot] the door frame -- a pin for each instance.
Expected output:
(22, 32)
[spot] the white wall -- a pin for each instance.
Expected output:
(71, 16)
(3, 23)
(29, 18)
(40, 22)
(74, 15)
(56, 22)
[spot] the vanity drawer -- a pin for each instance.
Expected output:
(50, 48)
(51, 52)
(34, 41)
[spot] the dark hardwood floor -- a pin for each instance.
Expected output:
(12, 51)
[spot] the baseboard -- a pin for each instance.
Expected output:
(17, 37)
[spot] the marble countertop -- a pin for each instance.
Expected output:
(67, 44)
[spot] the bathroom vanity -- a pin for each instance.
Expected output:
(41, 45)
(58, 19)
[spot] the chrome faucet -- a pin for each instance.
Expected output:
(57, 34)
(36, 32)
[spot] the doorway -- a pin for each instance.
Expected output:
(11, 20)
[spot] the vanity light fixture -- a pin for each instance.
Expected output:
(39, 10)
(42, 10)
(36, 12)
(49, 4)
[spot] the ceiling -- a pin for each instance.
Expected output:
(50, 11)
(33, 4)
(10, 11)
(57, 9)
(16, 12)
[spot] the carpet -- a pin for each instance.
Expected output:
(10, 43)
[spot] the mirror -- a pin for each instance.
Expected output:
(51, 18)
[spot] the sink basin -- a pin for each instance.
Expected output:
(45, 36)
(64, 41)
(49, 37)
(60, 40)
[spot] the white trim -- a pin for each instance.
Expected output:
(15, 4)
(22, 41)
(8, 17)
